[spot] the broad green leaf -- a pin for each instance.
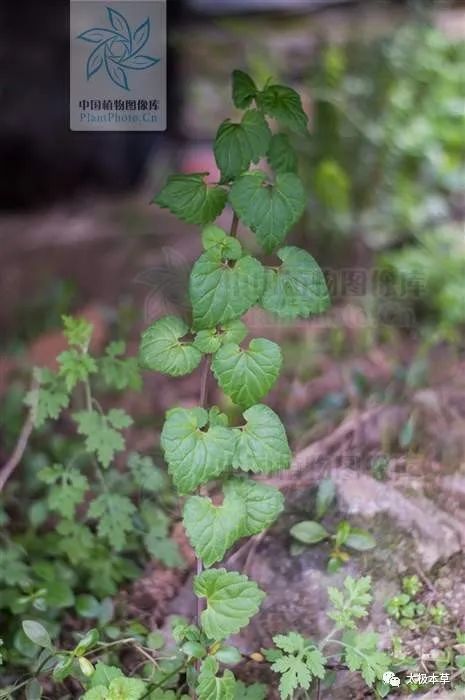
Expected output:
(297, 288)
(309, 532)
(325, 496)
(221, 292)
(232, 599)
(238, 145)
(33, 690)
(102, 432)
(284, 104)
(247, 375)
(37, 633)
(215, 238)
(243, 89)
(211, 529)
(120, 688)
(269, 209)
(261, 503)
(262, 445)
(191, 199)
(281, 156)
(248, 508)
(195, 451)
(114, 514)
(164, 349)
(210, 340)
(256, 691)
(360, 540)
(213, 687)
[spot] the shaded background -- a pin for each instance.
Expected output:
(372, 393)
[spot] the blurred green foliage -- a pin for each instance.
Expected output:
(387, 149)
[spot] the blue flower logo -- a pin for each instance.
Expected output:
(118, 49)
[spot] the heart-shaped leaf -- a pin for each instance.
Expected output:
(281, 156)
(211, 529)
(238, 145)
(262, 504)
(247, 375)
(210, 340)
(195, 451)
(163, 350)
(190, 198)
(220, 291)
(248, 508)
(232, 599)
(270, 210)
(297, 288)
(262, 445)
(284, 104)
(243, 89)
(213, 687)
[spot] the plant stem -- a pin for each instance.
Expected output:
(234, 225)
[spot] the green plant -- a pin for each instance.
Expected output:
(311, 532)
(79, 527)
(209, 456)
(302, 663)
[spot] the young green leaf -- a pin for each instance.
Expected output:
(281, 156)
(49, 399)
(77, 331)
(360, 540)
(244, 89)
(298, 663)
(238, 145)
(195, 453)
(163, 348)
(114, 514)
(102, 432)
(269, 209)
(297, 288)
(352, 603)
(262, 445)
(309, 532)
(120, 372)
(220, 293)
(256, 691)
(68, 487)
(191, 199)
(221, 243)
(362, 654)
(247, 375)
(146, 475)
(75, 366)
(213, 687)
(325, 496)
(104, 674)
(210, 340)
(284, 104)
(232, 599)
(37, 633)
